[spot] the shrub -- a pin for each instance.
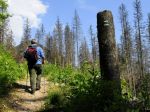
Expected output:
(56, 100)
(10, 71)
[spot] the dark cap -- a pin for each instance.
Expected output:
(33, 41)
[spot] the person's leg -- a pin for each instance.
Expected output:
(38, 79)
(32, 73)
(38, 83)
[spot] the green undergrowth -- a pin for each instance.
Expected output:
(10, 70)
(73, 85)
(80, 90)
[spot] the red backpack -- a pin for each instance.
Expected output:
(31, 55)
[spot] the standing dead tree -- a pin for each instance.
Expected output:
(108, 58)
(107, 45)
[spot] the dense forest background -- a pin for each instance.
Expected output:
(74, 61)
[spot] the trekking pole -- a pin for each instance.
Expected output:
(27, 78)
(44, 80)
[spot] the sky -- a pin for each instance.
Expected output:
(47, 11)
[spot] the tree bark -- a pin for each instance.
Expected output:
(108, 51)
(109, 64)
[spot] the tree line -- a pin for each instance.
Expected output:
(64, 46)
(68, 42)
(134, 55)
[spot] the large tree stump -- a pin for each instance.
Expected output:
(108, 56)
(107, 45)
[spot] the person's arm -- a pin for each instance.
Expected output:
(43, 60)
(43, 56)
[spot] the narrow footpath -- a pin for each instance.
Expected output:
(21, 100)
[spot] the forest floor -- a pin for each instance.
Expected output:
(21, 100)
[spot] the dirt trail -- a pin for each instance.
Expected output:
(24, 101)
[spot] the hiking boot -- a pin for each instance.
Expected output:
(38, 88)
(32, 91)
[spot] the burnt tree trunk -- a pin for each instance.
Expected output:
(108, 56)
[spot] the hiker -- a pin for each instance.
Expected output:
(35, 58)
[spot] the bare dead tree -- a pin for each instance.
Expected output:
(59, 36)
(109, 64)
(68, 46)
(76, 34)
(138, 36)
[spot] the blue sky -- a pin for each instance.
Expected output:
(47, 11)
(87, 10)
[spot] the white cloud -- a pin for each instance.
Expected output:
(21, 9)
(16, 24)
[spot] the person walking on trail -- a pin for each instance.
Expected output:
(35, 58)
